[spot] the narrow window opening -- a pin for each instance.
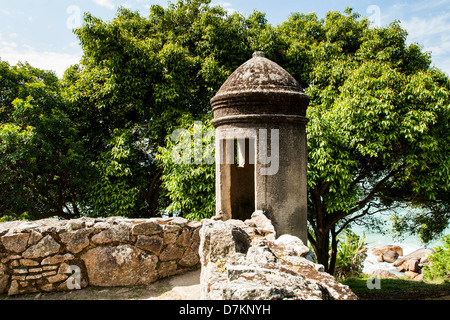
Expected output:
(242, 179)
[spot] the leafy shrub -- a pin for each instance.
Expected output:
(352, 252)
(439, 268)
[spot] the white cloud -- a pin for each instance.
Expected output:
(433, 33)
(427, 5)
(227, 6)
(127, 5)
(105, 3)
(9, 44)
(54, 61)
(422, 28)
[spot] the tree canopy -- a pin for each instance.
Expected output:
(98, 142)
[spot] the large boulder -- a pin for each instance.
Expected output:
(123, 265)
(413, 261)
(390, 256)
(237, 266)
(384, 249)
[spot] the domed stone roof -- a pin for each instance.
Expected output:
(260, 86)
(259, 74)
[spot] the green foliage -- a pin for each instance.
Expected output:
(189, 171)
(350, 256)
(379, 114)
(42, 167)
(137, 77)
(440, 262)
(427, 223)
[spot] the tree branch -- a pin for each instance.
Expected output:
(372, 194)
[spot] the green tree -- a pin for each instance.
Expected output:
(41, 159)
(378, 132)
(137, 76)
(187, 161)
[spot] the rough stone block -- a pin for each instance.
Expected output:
(28, 263)
(76, 241)
(146, 228)
(184, 238)
(123, 265)
(57, 278)
(172, 252)
(153, 244)
(35, 237)
(57, 259)
(119, 233)
(189, 259)
(33, 276)
(13, 288)
(16, 243)
(47, 246)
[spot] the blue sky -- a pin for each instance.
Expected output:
(40, 31)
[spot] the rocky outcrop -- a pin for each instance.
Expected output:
(411, 264)
(384, 249)
(239, 262)
(388, 253)
(52, 255)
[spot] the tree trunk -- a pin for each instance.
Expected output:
(151, 195)
(321, 248)
(334, 245)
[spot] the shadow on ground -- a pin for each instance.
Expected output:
(183, 287)
(399, 289)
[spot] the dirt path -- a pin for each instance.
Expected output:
(183, 287)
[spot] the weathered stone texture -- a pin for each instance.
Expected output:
(16, 243)
(119, 233)
(123, 265)
(43, 248)
(146, 228)
(153, 244)
(76, 241)
(52, 255)
(233, 268)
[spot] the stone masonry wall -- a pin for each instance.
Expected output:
(52, 255)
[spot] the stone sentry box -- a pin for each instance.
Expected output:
(261, 163)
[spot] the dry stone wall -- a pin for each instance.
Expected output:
(53, 255)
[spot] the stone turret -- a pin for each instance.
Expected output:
(261, 152)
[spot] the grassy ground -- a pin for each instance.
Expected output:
(399, 289)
